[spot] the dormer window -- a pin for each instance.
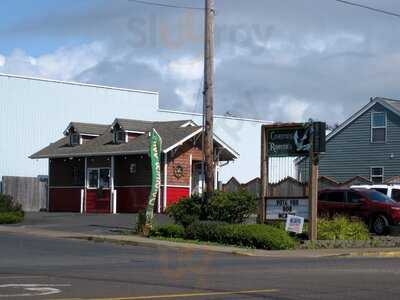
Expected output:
(119, 137)
(74, 139)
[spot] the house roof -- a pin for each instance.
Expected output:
(87, 128)
(172, 134)
(390, 104)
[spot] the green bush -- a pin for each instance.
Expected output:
(11, 217)
(231, 207)
(169, 231)
(186, 211)
(8, 205)
(246, 235)
(341, 228)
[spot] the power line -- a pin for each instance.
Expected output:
(378, 10)
(166, 5)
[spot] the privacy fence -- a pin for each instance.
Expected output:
(291, 187)
(30, 192)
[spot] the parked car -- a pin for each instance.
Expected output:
(392, 191)
(377, 210)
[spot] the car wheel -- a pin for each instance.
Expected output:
(380, 225)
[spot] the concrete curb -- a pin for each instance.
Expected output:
(146, 242)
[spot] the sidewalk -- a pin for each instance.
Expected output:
(146, 242)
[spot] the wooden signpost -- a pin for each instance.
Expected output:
(292, 140)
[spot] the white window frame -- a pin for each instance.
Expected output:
(376, 176)
(71, 137)
(120, 141)
(378, 127)
(98, 178)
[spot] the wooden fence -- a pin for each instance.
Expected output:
(30, 192)
(290, 187)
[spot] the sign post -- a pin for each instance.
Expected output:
(291, 140)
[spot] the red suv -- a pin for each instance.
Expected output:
(375, 208)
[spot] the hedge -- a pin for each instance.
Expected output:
(169, 231)
(11, 217)
(245, 235)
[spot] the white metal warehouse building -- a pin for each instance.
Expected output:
(35, 111)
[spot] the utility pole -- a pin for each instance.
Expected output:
(313, 189)
(208, 109)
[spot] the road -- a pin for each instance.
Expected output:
(63, 269)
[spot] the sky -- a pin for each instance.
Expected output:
(278, 60)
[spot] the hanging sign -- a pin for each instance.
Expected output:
(279, 208)
(289, 141)
(296, 139)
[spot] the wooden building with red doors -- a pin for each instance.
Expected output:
(99, 168)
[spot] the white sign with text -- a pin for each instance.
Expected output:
(280, 208)
(294, 224)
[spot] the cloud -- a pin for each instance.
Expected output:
(2, 60)
(275, 60)
(63, 64)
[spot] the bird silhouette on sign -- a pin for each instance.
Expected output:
(300, 141)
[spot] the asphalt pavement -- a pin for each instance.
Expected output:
(33, 267)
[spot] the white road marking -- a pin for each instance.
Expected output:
(30, 290)
(16, 277)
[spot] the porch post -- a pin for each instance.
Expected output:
(85, 192)
(190, 174)
(165, 181)
(112, 193)
(48, 187)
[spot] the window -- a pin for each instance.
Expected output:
(99, 178)
(74, 139)
(353, 197)
(93, 178)
(335, 196)
(396, 195)
(378, 127)
(381, 190)
(377, 175)
(119, 136)
(378, 197)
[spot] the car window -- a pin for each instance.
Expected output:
(353, 197)
(323, 196)
(336, 196)
(378, 197)
(381, 190)
(396, 195)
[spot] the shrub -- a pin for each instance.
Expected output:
(231, 207)
(8, 205)
(170, 231)
(11, 217)
(246, 235)
(186, 211)
(341, 228)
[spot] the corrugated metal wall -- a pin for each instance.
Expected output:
(34, 113)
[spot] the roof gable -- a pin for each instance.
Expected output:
(390, 104)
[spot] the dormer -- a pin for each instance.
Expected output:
(119, 134)
(74, 138)
(126, 130)
(80, 133)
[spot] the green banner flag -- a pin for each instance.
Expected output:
(155, 157)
